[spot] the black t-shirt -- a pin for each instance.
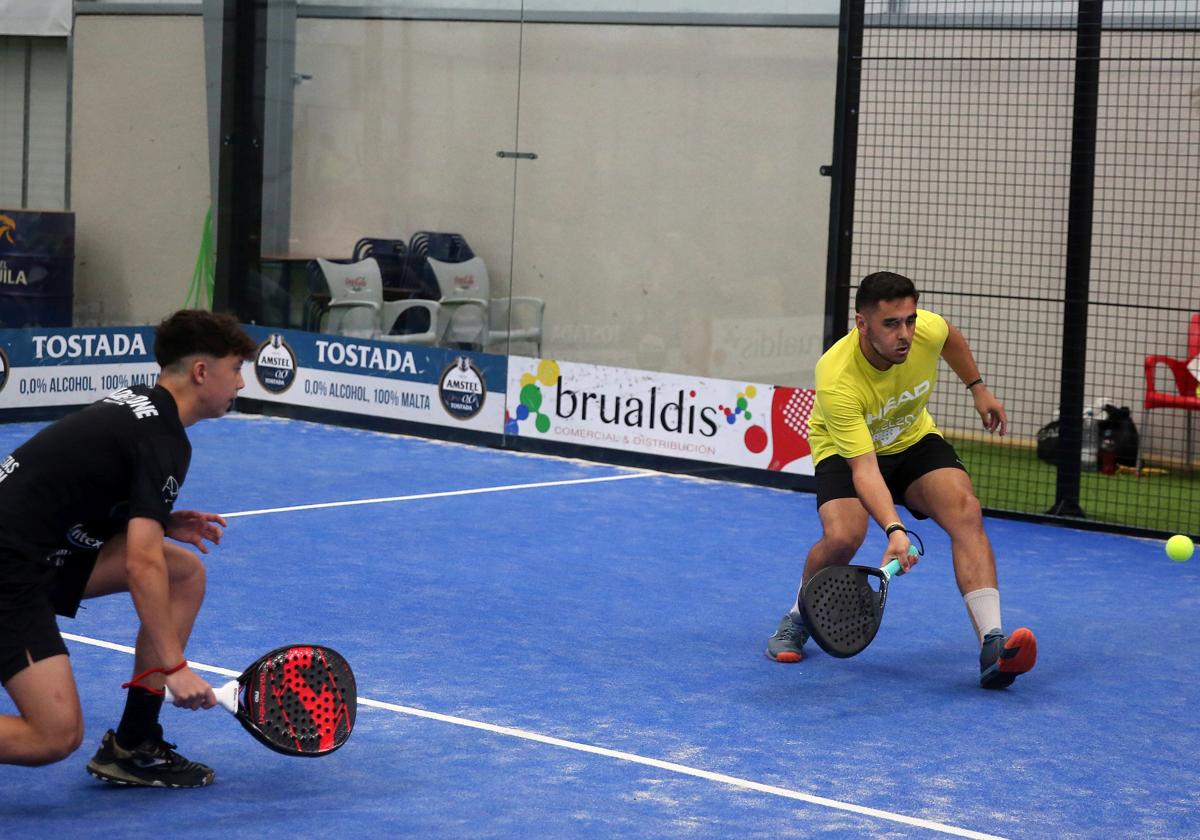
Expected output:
(79, 480)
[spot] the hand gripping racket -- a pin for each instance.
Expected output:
(841, 609)
(298, 699)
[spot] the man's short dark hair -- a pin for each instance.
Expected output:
(192, 331)
(881, 286)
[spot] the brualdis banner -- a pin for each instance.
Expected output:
(724, 421)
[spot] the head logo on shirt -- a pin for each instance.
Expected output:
(894, 402)
(3, 369)
(170, 490)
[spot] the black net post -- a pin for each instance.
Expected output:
(240, 175)
(1079, 258)
(845, 153)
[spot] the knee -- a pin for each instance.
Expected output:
(57, 742)
(68, 741)
(966, 511)
(842, 545)
(969, 509)
(188, 573)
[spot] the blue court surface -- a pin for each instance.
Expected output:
(576, 650)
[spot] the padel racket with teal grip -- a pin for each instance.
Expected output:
(842, 610)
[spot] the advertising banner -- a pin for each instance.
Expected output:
(48, 367)
(434, 385)
(37, 268)
(724, 421)
(728, 422)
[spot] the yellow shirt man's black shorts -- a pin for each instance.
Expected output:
(932, 452)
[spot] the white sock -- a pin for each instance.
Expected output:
(794, 612)
(983, 606)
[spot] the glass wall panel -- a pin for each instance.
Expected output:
(675, 218)
(397, 129)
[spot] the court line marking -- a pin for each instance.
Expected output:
(443, 494)
(633, 758)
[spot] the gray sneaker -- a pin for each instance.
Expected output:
(1003, 658)
(788, 642)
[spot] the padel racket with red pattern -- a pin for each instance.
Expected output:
(790, 408)
(298, 699)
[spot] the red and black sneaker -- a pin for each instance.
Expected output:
(1003, 658)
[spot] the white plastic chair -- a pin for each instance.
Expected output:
(516, 319)
(464, 302)
(355, 298)
(473, 317)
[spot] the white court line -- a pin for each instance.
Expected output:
(669, 766)
(443, 494)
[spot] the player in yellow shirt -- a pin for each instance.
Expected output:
(875, 446)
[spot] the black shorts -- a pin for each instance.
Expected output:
(31, 593)
(932, 452)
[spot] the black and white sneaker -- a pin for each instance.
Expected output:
(153, 763)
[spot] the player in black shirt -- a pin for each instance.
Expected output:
(86, 506)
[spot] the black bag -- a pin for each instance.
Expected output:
(1117, 425)
(1047, 443)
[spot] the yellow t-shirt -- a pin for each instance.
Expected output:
(860, 408)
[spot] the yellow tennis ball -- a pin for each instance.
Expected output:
(1180, 548)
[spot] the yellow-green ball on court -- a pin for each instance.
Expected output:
(1180, 548)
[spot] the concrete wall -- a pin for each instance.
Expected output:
(139, 165)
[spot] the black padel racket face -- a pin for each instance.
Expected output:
(299, 700)
(842, 610)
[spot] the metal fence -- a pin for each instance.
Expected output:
(1035, 168)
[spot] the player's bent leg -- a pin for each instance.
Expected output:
(141, 756)
(844, 527)
(50, 724)
(186, 586)
(947, 496)
(188, 580)
(185, 572)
